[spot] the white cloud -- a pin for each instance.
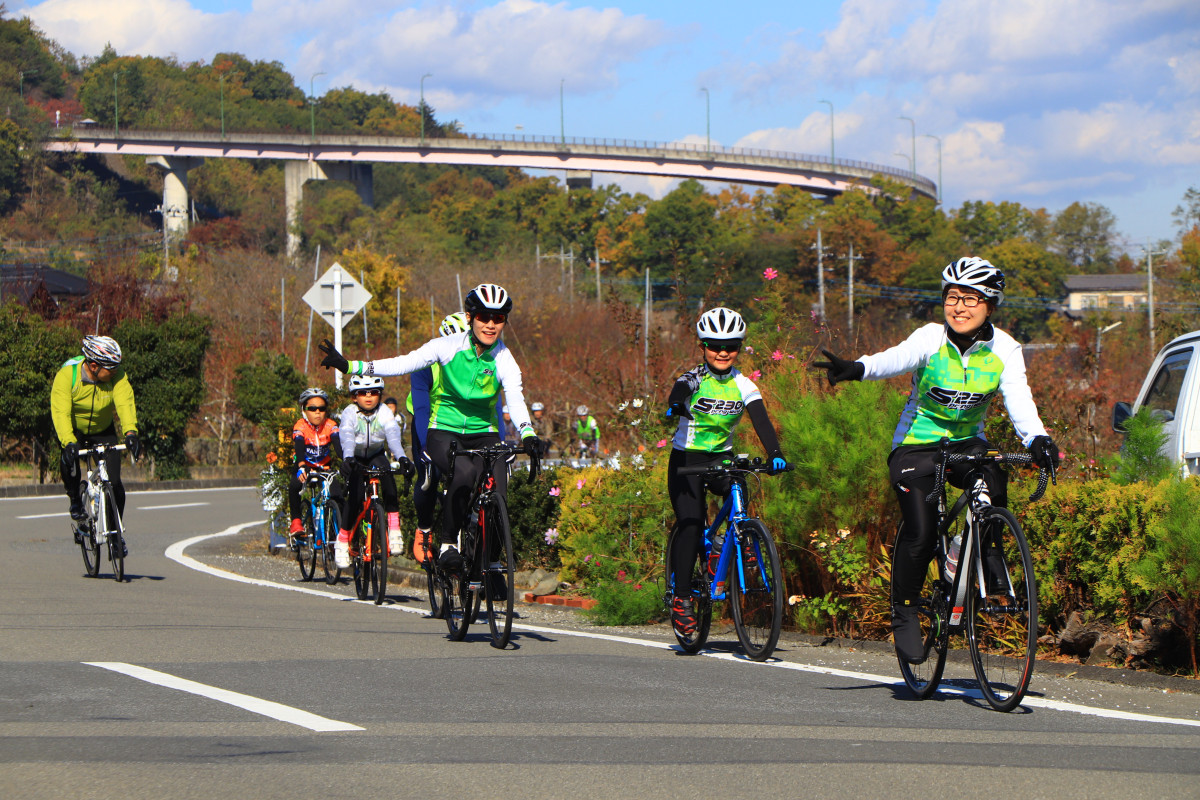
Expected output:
(159, 27)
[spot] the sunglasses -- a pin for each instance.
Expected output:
(728, 346)
(368, 392)
(489, 316)
(316, 408)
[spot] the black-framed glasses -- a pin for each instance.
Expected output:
(316, 408)
(724, 346)
(491, 316)
(968, 300)
(369, 392)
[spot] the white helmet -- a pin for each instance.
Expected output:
(487, 297)
(103, 350)
(975, 273)
(537, 407)
(582, 411)
(453, 323)
(360, 382)
(721, 323)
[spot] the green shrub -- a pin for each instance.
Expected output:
(533, 516)
(1141, 456)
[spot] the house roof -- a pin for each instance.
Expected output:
(1106, 283)
(23, 281)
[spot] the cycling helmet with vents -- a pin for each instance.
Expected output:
(103, 350)
(311, 392)
(487, 297)
(721, 323)
(453, 323)
(359, 383)
(975, 273)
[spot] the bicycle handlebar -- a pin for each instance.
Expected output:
(1045, 475)
(740, 463)
(101, 449)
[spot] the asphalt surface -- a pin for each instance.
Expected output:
(186, 682)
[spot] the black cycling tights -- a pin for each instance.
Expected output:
(466, 471)
(688, 500)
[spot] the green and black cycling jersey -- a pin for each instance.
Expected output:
(716, 403)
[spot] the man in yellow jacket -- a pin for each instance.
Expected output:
(86, 393)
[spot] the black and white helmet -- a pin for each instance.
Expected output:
(103, 350)
(721, 323)
(360, 382)
(975, 273)
(311, 392)
(453, 323)
(487, 297)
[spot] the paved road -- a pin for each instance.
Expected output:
(338, 696)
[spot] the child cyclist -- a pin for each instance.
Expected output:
(315, 437)
(708, 400)
(957, 367)
(426, 385)
(475, 367)
(368, 430)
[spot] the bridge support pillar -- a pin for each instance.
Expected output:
(298, 173)
(175, 204)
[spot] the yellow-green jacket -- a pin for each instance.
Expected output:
(79, 407)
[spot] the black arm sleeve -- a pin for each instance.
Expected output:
(764, 428)
(681, 392)
(335, 448)
(301, 449)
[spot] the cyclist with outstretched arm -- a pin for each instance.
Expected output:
(475, 368)
(957, 368)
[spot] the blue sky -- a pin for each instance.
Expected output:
(1042, 102)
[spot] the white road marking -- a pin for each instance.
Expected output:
(175, 553)
(44, 516)
(257, 705)
(173, 505)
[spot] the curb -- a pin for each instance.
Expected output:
(47, 489)
(584, 603)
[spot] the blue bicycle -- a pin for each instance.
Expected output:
(748, 573)
(320, 514)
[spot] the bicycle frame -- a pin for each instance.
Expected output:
(98, 478)
(481, 493)
(374, 475)
(319, 482)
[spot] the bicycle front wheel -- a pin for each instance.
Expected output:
(379, 552)
(692, 642)
(306, 554)
(359, 564)
(457, 605)
(498, 572)
(1002, 625)
(923, 679)
(112, 526)
(757, 591)
(328, 536)
(88, 542)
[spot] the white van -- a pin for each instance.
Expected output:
(1172, 393)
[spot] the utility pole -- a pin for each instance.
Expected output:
(646, 337)
(820, 277)
(1150, 254)
(850, 290)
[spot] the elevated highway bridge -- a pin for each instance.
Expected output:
(350, 158)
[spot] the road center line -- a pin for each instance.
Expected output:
(44, 516)
(257, 705)
(173, 505)
(175, 553)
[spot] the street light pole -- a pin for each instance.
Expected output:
(914, 146)
(906, 158)
(312, 112)
(832, 162)
(562, 125)
(116, 107)
(423, 77)
(939, 145)
(707, 140)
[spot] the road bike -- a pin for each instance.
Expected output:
(369, 541)
(486, 548)
(102, 526)
(320, 515)
(990, 591)
(748, 572)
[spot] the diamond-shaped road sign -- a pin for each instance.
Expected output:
(336, 296)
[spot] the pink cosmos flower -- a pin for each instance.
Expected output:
(750, 350)
(551, 535)
(579, 483)
(555, 491)
(770, 273)
(777, 355)
(662, 443)
(756, 374)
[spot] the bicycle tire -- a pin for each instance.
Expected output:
(116, 543)
(327, 537)
(379, 552)
(757, 594)
(306, 554)
(88, 542)
(1002, 627)
(923, 679)
(498, 581)
(362, 570)
(456, 600)
(701, 600)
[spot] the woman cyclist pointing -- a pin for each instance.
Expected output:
(475, 367)
(956, 367)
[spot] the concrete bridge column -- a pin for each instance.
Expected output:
(298, 173)
(175, 203)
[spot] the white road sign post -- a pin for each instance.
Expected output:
(337, 297)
